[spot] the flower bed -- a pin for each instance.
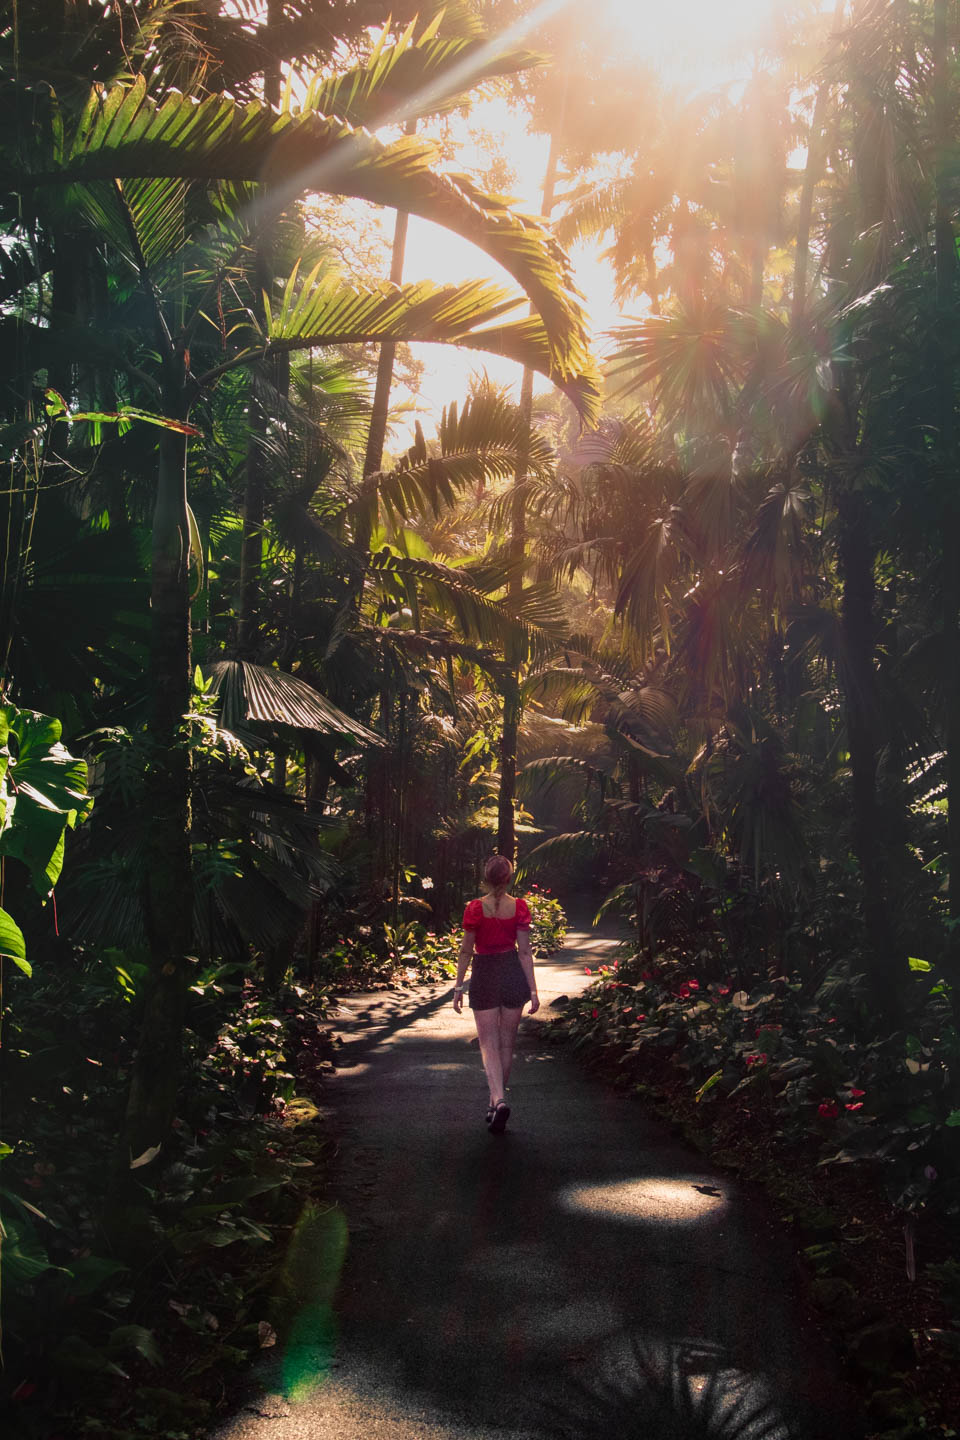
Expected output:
(857, 1138)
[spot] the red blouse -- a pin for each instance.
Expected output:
(496, 934)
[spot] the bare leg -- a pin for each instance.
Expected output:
(488, 1031)
(509, 1020)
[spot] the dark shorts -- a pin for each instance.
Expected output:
(497, 980)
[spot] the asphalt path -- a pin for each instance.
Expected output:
(584, 1275)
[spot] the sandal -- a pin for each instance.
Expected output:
(491, 1111)
(501, 1115)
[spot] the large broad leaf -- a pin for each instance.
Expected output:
(12, 942)
(46, 791)
(252, 692)
(123, 134)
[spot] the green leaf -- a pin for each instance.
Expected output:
(46, 792)
(12, 943)
(92, 1271)
(708, 1085)
(24, 1257)
(953, 1119)
(136, 1338)
(915, 964)
(125, 135)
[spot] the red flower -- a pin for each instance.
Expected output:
(641, 1017)
(858, 1106)
(616, 964)
(684, 991)
(828, 1109)
(693, 984)
(587, 970)
(832, 1020)
(761, 1028)
(759, 1059)
(856, 1093)
(723, 989)
(594, 1014)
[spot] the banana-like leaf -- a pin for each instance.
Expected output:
(251, 692)
(125, 134)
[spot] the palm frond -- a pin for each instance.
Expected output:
(125, 134)
(410, 78)
(252, 692)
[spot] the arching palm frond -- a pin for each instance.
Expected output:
(124, 134)
(325, 311)
(406, 79)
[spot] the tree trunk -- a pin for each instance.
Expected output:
(255, 477)
(512, 703)
(380, 414)
(169, 889)
(947, 456)
(816, 153)
(856, 562)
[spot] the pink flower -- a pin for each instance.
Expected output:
(587, 970)
(832, 1020)
(627, 1010)
(616, 964)
(828, 1109)
(857, 1106)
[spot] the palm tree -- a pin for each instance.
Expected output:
(153, 174)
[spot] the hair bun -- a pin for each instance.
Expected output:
(497, 871)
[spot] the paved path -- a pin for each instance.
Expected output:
(585, 1275)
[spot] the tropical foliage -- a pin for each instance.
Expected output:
(704, 608)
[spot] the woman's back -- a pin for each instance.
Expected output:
(495, 923)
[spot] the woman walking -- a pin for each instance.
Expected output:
(501, 980)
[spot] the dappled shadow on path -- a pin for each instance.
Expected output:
(644, 1389)
(584, 1270)
(583, 1277)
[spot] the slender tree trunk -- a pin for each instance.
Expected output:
(947, 447)
(399, 808)
(380, 414)
(858, 627)
(255, 478)
(512, 701)
(812, 171)
(169, 890)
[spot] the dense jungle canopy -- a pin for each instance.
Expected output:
(673, 617)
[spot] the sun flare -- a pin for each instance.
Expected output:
(693, 42)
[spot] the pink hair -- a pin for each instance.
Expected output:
(497, 872)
